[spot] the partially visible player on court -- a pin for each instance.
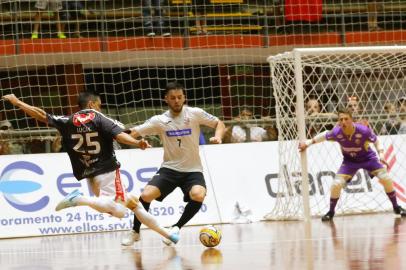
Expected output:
(179, 130)
(354, 139)
(87, 136)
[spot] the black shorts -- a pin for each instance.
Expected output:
(166, 180)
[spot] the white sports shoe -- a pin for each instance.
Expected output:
(173, 236)
(69, 200)
(130, 238)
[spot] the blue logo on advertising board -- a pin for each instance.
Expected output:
(11, 187)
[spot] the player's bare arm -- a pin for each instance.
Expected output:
(125, 138)
(316, 139)
(219, 134)
(35, 112)
(134, 133)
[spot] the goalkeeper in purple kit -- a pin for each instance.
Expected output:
(354, 139)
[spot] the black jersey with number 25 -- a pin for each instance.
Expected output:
(88, 138)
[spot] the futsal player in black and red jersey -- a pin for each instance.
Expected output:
(88, 136)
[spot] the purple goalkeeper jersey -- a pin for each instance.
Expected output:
(355, 147)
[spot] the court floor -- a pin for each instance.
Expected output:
(375, 241)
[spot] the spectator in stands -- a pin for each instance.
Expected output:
(153, 20)
(8, 147)
(270, 128)
(52, 5)
(313, 111)
(56, 146)
(272, 132)
(244, 131)
(373, 7)
(312, 107)
(4, 143)
(200, 8)
(356, 110)
(402, 112)
(392, 124)
(73, 10)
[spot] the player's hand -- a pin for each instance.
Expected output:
(302, 146)
(143, 144)
(11, 98)
(215, 140)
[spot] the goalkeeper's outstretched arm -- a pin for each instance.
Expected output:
(321, 137)
(32, 111)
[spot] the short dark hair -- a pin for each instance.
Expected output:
(173, 86)
(344, 110)
(85, 97)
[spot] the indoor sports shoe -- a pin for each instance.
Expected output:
(130, 238)
(34, 36)
(173, 236)
(328, 217)
(69, 200)
(399, 211)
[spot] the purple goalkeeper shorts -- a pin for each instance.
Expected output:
(350, 168)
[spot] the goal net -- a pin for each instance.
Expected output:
(309, 86)
(217, 49)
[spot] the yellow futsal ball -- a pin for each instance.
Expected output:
(210, 236)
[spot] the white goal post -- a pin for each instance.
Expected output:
(309, 86)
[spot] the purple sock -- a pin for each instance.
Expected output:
(392, 198)
(333, 203)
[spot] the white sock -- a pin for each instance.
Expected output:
(148, 220)
(103, 205)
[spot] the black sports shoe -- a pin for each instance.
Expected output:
(328, 217)
(400, 211)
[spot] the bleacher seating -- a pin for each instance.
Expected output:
(222, 15)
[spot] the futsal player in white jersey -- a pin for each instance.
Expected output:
(179, 130)
(88, 136)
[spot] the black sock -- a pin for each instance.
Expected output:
(191, 209)
(137, 223)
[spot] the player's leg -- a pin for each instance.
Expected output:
(151, 192)
(104, 186)
(94, 186)
(146, 218)
(339, 182)
(101, 204)
(115, 187)
(376, 168)
(194, 189)
(40, 5)
(343, 176)
(157, 188)
(387, 183)
(195, 199)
